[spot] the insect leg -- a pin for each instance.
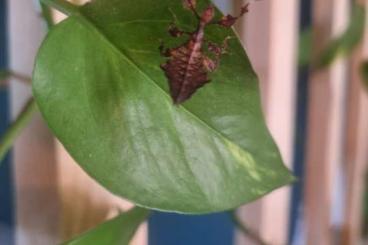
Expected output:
(164, 51)
(174, 31)
(217, 49)
(209, 64)
(229, 20)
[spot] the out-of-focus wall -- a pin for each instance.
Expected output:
(269, 33)
(34, 165)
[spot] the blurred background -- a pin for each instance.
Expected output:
(308, 55)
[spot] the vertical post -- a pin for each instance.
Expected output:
(325, 122)
(356, 149)
(270, 33)
(6, 182)
(37, 205)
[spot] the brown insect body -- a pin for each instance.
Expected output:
(187, 68)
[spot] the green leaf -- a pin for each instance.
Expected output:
(98, 83)
(365, 73)
(346, 43)
(118, 231)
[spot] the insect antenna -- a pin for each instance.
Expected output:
(229, 20)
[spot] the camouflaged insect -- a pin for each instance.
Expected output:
(187, 67)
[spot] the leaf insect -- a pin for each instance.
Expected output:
(187, 67)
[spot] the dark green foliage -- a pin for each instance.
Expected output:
(118, 231)
(98, 84)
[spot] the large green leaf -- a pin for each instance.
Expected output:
(118, 231)
(99, 85)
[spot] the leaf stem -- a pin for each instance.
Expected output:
(5, 74)
(16, 127)
(63, 6)
(246, 230)
(46, 14)
(20, 77)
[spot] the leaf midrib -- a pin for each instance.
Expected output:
(85, 21)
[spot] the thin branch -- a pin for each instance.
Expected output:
(20, 77)
(254, 236)
(6, 74)
(30, 108)
(16, 127)
(63, 6)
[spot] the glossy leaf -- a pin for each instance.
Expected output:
(118, 231)
(99, 85)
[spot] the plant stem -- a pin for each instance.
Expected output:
(46, 14)
(16, 127)
(30, 107)
(4, 74)
(20, 77)
(246, 230)
(63, 6)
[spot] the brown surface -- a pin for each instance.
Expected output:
(356, 148)
(269, 33)
(34, 167)
(326, 117)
